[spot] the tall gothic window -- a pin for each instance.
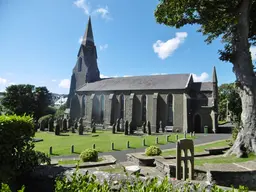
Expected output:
(144, 108)
(79, 64)
(83, 106)
(102, 107)
(170, 110)
(122, 106)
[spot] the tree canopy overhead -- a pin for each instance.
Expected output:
(234, 21)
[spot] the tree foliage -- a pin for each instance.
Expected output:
(27, 99)
(228, 93)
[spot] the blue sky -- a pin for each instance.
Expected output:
(39, 41)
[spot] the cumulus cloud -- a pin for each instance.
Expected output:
(253, 52)
(3, 81)
(85, 6)
(64, 83)
(201, 78)
(80, 40)
(3, 84)
(102, 47)
(165, 49)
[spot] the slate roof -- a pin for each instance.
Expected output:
(152, 82)
(203, 86)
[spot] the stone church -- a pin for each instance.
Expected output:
(175, 99)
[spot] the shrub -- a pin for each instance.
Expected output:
(153, 151)
(89, 155)
(45, 118)
(17, 149)
(88, 183)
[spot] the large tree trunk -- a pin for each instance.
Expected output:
(243, 68)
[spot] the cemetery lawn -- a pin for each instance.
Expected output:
(198, 149)
(68, 162)
(61, 145)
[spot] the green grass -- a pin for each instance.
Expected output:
(223, 160)
(222, 122)
(67, 162)
(198, 149)
(61, 145)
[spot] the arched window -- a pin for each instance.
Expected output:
(79, 63)
(170, 109)
(144, 108)
(102, 107)
(121, 106)
(83, 105)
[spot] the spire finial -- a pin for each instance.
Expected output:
(214, 75)
(88, 35)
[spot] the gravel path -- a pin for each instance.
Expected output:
(121, 155)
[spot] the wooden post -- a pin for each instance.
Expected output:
(144, 142)
(93, 146)
(167, 138)
(112, 146)
(72, 149)
(177, 137)
(156, 140)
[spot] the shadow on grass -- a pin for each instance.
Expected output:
(116, 150)
(76, 153)
(54, 154)
(62, 134)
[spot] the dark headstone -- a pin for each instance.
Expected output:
(50, 125)
(94, 127)
(130, 128)
(161, 129)
(118, 125)
(126, 128)
(69, 123)
(80, 127)
(144, 127)
(56, 127)
(149, 128)
(64, 125)
(114, 128)
(42, 125)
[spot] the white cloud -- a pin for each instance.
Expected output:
(106, 76)
(201, 78)
(103, 12)
(159, 74)
(127, 76)
(253, 52)
(65, 83)
(80, 40)
(3, 81)
(102, 47)
(83, 4)
(165, 49)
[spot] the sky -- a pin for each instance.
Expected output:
(39, 42)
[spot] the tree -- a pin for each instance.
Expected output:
(234, 22)
(229, 93)
(26, 99)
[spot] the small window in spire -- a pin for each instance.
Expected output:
(79, 62)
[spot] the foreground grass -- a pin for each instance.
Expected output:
(61, 145)
(200, 148)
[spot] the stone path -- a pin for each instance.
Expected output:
(121, 155)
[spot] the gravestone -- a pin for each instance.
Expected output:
(56, 127)
(130, 128)
(121, 124)
(42, 125)
(94, 127)
(50, 125)
(144, 127)
(149, 128)
(76, 124)
(114, 128)
(161, 128)
(80, 127)
(60, 123)
(64, 125)
(126, 128)
(69, 123)
(185, 156)
(118, 125)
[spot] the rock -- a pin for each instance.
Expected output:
(133, 169)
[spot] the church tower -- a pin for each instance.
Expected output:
(86, 68)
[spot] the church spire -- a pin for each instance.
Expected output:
(214, 75)
(88, 35)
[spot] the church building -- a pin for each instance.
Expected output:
(174, 99)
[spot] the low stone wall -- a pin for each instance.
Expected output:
(140, 159)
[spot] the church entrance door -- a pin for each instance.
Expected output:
(197, 123)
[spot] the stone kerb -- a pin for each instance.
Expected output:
(185, 156)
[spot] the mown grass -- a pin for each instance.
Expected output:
(68, 162)
(200, 148)
(61, 145)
